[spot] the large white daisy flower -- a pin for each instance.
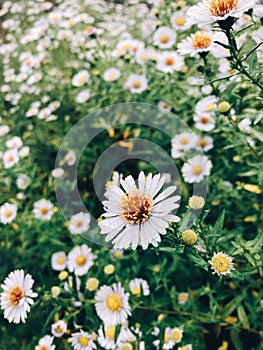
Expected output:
(196, 169)
(80, 260)
(112, 304)
(211, 11)
(82, 341)
(17, 295)
(138, 215)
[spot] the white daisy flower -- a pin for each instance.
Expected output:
(70, 158)
(211, 11)
(14, 143)
(139, 286)
(136, 83)
(59, 261)
(83, 96)
(164, 107)
(24, 152)
(4, 129)
(23, 181)
(204, 143)
(204, 122)
(81, 78)
(45, 343)
(178, 21)
(17, 295)
(111, 74)
(79, 223)
(43, 209)
(58, 328)
(112, 304)
(196, 169)
(182, 298)
(143, 55)
(138, 215)
(182, 143)
(8, 213)
(164, 37)
(58, 172)
(82, 341)
(186, 347)
(221, 264)
(169, 61)
(80, 260)
(201, 41)
(106, 338)
(10, 158)
(206, 105)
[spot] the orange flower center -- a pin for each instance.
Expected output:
(16, 294)
(81, 260)
(8, 213)
(204, 120)
(136, 208)
(197, 169)
(222, 7)
(201, 39)
(164, 39)
(202, 142)
(44, 211)
(180, 21)
(184, 141)
(79, 224)
(136, 84)
(169, 61)
(10, 158)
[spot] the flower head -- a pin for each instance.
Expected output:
(195, 170)
(45, 343)
(8, 213)
(17, 295)
(221, 263)
(138, 215)
(82, 341)
(80, 260)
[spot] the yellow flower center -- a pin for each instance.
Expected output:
(79, 223)
(180, 21)
(15, 295)
(136, 291)
(183, 298)
(166, 338)
(114, 302)
(210, 107)
(92, 283)
(84, 341)
(176, 335)
(126, 347)
(202, 142)
(204, 120)
(10, 158)
(8, 213)
(201, 40)
(197, 169)
(82, 79)
(221, 7)
(113, 76)
(221, 263)
(169, 61)
(136, 84)
(136, 208)
(164, 39)
(184, 141)
(81, 260)
(59, 329)
(44, 211)
(110, 332)
(61, 260)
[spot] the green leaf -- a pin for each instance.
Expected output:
(219, 223)
(242, 316)
(253, 62)
(231, 306)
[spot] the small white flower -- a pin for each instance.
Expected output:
(80, 260)
(136, 83)
(57, 172)
(169, 61)
(211, 11)
(206, 105)
(59, 261)
(23, 181)
(182, 298)
(164, 107)
(164, 37)
(178, 21)
(43, 209)
(17, 295)
(139, 286)
(10, 158)
(79, 223)
(4, 129)
(83, 96)
(82, 341)
(8, 213)
(14, 143)
(80, 78)
(112, 304)
(182, 143)
(111, 74)
(58, 328)
(45, 343)
(196, 169)
(204, 143)
(204, 122)
(70, 158)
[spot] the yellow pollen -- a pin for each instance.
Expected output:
(110, 332)
(44, 211)
(15, 295)
(84, 341)
(136, 208)
(136, 84)
(202, 142)
(183, 297)
(61, 260)
(221, 264)
(8, 213)
(197, 169)
(114, 302)
(82, 79)
(164, 39)
(81, 260)
(166, 338)
(221, 8)
(169, 61)
(59, 329)
(136, 291)
(201, 40)
(180, 21)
